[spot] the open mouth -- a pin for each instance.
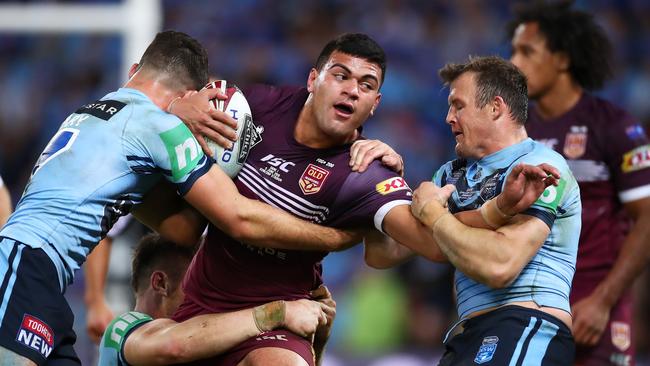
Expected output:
(344, 108)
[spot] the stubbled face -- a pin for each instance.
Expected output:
(345, 93)
(470, 125)
(532, 56)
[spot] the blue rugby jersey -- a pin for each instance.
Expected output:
(546, 279)
(100, 163)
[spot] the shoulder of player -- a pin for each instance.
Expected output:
(267, 97)
(375, 176)
(543, 154)
(605, 112)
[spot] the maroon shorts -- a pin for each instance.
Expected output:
(275, 338)
(615, 347)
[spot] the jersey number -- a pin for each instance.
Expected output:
(59, 143)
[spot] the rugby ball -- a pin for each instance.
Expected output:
(232, 160)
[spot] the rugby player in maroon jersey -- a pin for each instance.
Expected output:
(564, 54)
(298, 160)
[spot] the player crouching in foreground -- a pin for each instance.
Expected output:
(147, 336)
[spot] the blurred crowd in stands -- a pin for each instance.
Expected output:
(384, 317)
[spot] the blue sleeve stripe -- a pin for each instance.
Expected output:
(185, 187)
(143, 170)
(139, 158)
(547, 217)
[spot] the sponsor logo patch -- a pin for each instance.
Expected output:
(36, 335)
(551, 196)
(183, 149)
(621, 335)
(102, 109)
(636, 159)
(312, 179)
(575, 142)
(251, 136)
(391, 185)
(487, 349)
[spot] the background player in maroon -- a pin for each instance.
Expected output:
(564, 53)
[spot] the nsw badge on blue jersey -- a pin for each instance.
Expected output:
(487, 349)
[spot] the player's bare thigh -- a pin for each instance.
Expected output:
(10, 358)
(272, 356)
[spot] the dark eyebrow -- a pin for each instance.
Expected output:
(367, 76)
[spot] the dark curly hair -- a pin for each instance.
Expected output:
(573, 32)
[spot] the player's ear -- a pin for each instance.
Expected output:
(133, 70)
(313, 74)
(375, 104)
(160, 282)
(497, 108)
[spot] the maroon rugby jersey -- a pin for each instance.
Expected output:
(609, 154)
(313, 184)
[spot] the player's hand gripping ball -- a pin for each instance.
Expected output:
(232, 160)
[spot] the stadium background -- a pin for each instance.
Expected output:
(394, 317)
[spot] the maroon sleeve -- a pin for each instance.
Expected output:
(627, 151)
(365, 199)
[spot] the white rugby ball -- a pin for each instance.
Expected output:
(232, 160)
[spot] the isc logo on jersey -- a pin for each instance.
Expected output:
(391, 185)
(35, 334)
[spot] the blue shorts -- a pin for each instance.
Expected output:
(511, 335)
(35, 319)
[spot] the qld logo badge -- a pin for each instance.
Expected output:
(621, 335)
(312, 179)
(575, 142)
(487, 349)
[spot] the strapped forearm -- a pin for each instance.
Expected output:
(270, 316)
(164, 341)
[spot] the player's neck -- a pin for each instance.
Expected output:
(511, 135)
(148, 304)
(160, 94)
(309, 134)
(563, 96)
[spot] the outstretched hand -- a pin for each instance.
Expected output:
(363, 152)
(524, 185)
(195, 110)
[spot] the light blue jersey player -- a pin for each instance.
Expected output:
(546, 279)
(100, 163)
(512, 282)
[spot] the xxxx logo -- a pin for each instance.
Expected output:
(391, 185)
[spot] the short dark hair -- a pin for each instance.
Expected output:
(574, 33)
(180, 56)
(354, 44)
(494, 77)
(154, 253)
